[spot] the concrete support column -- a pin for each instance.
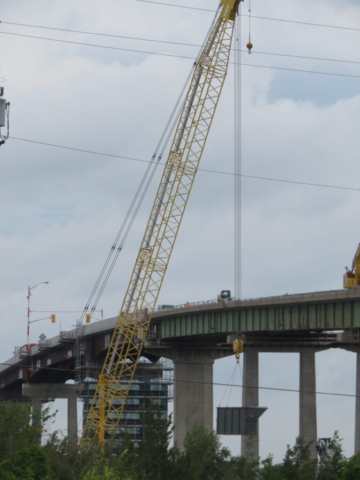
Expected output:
(36, 409)
(308, 422)
(250, 398)
(193, 392)
(72, 417)
(357, 405)
(42, 392)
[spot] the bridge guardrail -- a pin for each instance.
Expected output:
(285, 296)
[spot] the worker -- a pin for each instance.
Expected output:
(187, 304)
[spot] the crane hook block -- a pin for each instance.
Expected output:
(238, 347)
(249, 46)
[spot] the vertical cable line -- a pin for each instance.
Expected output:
(237, 158)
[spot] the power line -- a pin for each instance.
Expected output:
(218, 172)
(178, 56)
(126, 37)
(292, 390)
(324, 25)
(94, 45)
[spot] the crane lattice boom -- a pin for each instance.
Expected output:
(163, 226)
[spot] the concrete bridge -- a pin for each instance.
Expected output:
(194, 337)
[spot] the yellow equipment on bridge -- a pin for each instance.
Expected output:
(191, 133)
(352, 277)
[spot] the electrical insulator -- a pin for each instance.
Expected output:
(87, 318)
(53, 318)
(4, 116)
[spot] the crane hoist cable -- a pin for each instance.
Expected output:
(249, 45)
(136, 203)
(121, 237)
(128, 221)
(238, 348)
(162, 228)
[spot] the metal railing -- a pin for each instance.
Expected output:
(285, 296)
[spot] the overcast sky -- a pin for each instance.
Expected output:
(62, 209)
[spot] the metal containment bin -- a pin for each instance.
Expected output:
(238, 420)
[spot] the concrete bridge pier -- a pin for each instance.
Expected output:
(193, 388)
(250, 398)
(357, 405)
(193, 393)
(44, 392)
(307, 410)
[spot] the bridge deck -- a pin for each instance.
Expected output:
(323, 311)
(285, 320)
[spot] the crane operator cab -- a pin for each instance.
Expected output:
(4, 116)
(225, 296)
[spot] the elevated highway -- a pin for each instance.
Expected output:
(311, 312)
(195, 336)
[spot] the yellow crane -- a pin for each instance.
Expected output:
(163, 225)
(352, 277)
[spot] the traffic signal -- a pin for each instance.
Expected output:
(87, 318)
(53, 318)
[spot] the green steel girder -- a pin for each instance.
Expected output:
(321, 315)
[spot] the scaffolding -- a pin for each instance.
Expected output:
(152, 386)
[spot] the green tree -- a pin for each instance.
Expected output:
(269, 471)
(351, 470)
(154, 459)
(105, 472)
(204, 458)
(243, 468)
(297, 463)
(66, 458)
(8, 471)
(17, 429)
(333, 466)
(34, 462)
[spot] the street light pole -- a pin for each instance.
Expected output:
(28, 316)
